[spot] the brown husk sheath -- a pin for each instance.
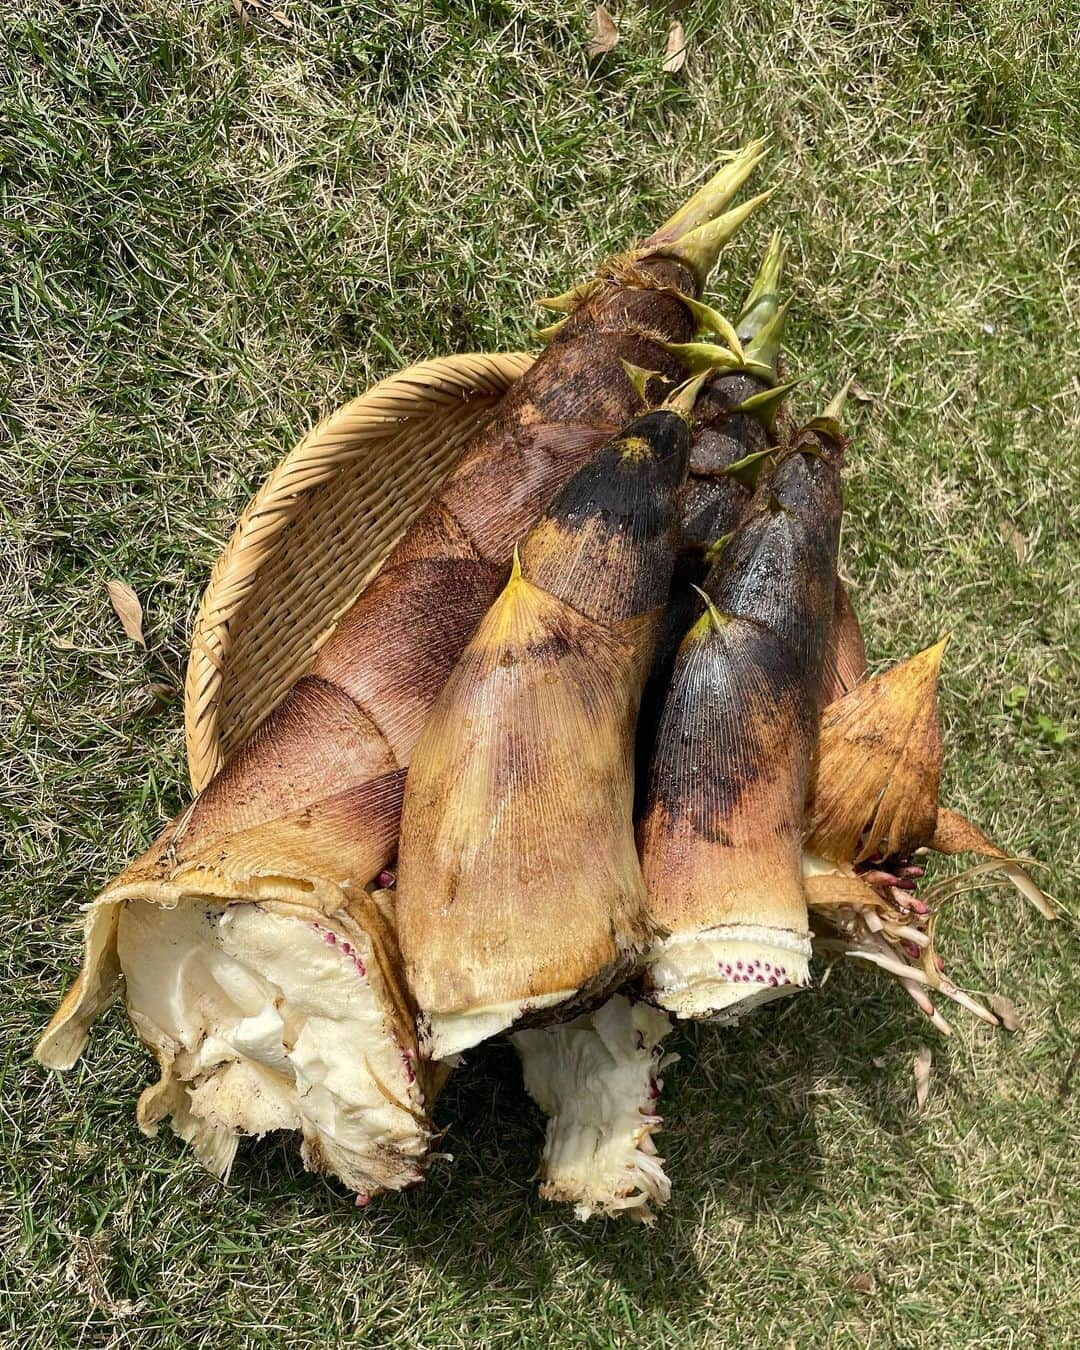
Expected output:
(874, 808)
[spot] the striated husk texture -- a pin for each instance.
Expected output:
(518, 881)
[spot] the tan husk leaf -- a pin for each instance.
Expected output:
(879, 765)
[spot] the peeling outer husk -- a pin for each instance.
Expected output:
(890, 720)
(315, 794)
(845, 651)
(597, 1079)
(879, 771)
(518, 883)
(955, 834)
(720, 836)
(270, 1003)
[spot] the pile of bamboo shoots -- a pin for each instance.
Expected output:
(596, 746)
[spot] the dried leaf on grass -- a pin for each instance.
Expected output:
(1006, 1013)
(1011, 535)
(246, 10)
(923, 1060)
(675, 51)
(84, 1270)
(605, 33)
(128, 610)
(863, 1283)
(158, 695)
(861, 395)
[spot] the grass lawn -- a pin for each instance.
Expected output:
(213, 232)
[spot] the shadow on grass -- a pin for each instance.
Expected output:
(740, 1139)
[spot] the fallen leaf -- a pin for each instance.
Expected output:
(605, 33)
(675, 51)
(1006, 1013)
(863, 395)
(863, 1283)
(159, 692)
(246, 9)
(1011, 535)
(923, 1061)
(880, 1062)
(128, 610)
(1066, 1082)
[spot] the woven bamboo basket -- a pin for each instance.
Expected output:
(313, 535)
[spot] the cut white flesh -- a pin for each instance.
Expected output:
(596, 1079)
(443, 1036)
(723, 973)
(262, 1021)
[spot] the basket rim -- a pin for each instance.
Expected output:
(419, 391)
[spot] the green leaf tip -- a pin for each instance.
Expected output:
(830, 421)
(704, 356)
(709, 201)
(747, 470)
(639, 378)
(763, 298)
(552, 330)
(699, 249)
(766, 405)
(764, 348)
(712, 621)
(710, 320)
(714, 550)
(682, 399)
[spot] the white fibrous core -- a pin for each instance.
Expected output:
(262, 1021)
(597, 1079)
(723, 973)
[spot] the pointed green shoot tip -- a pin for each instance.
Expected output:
(763, 298)
(712, 621)
(682, 399)
(565, 303)
(710, 200)
(747, 470)
(830, 422)
(639, 378)
(552, 330)
(704, 356)
(713, 550)
(699, 249)
(764, 348)
(710, 320)
(766, 405)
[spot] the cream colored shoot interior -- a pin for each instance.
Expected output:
(262, 1021)
(723, 973)
(597, 1080)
